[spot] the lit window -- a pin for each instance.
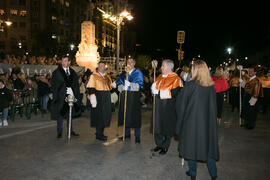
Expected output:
(2, 12)
(13, 12)
(54, 18)
(23, 13)
(67, 3)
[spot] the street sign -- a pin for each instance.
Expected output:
(180, 37)
(180, 55)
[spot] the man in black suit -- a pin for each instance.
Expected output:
(64, 82)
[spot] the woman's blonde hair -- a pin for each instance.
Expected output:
(201, 74)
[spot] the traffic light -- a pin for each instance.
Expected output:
(180, 37)
(180, 55)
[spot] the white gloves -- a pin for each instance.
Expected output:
(252, 101)
(93, 100)
(114, 97)
(114, 84)
(242, 83)
(69, 91)
(165, 94)
(127, 84)
(154, 89)
(51, 96)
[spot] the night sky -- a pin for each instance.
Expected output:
(210, 29)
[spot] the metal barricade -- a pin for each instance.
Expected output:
(17, 104)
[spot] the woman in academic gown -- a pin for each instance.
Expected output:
(197, 120)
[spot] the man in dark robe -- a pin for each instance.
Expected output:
(253, 91)
(99, 86)
(166, 87)
(133, 85)
(64, 82)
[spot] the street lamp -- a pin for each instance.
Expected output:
(8, 23)
(229, 50)
(118, 21)
(72, 47)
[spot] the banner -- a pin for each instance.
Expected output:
(31, 69)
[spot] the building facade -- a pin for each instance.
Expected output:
(53, 27)
(41, 26)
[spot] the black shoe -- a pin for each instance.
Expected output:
(214, 178)
(163, 151)
(59, 135)
(101, 138)
(156, 149)
(105, 137)
(137, 140)
(192, 177)
(74, 134)
(249, 127)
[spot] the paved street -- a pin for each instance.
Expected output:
(30, 150)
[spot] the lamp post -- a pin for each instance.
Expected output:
(2, 27)
(8, 23)
(118, 21)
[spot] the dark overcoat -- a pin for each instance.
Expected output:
(5, 98)
(197, 122)
(59, 84)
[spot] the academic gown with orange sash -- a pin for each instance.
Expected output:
(165, 119)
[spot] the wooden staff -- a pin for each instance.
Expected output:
(125, 105)
(154, 65)
(118, 110)
(240, 67)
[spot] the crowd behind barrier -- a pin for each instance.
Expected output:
(31, 92)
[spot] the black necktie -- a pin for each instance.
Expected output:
(67, 72)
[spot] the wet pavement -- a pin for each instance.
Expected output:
(30, 150)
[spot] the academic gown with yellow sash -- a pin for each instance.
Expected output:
(100, 86)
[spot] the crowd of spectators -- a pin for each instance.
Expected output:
(40, 60)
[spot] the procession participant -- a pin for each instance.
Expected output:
(221, 86)
(196, 121)
(131, 109)
(253, 91)
(234, 90)
(5, 99)
(99, 86)
(64, 82)
(166, 87)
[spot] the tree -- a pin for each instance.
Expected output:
(142, 61)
